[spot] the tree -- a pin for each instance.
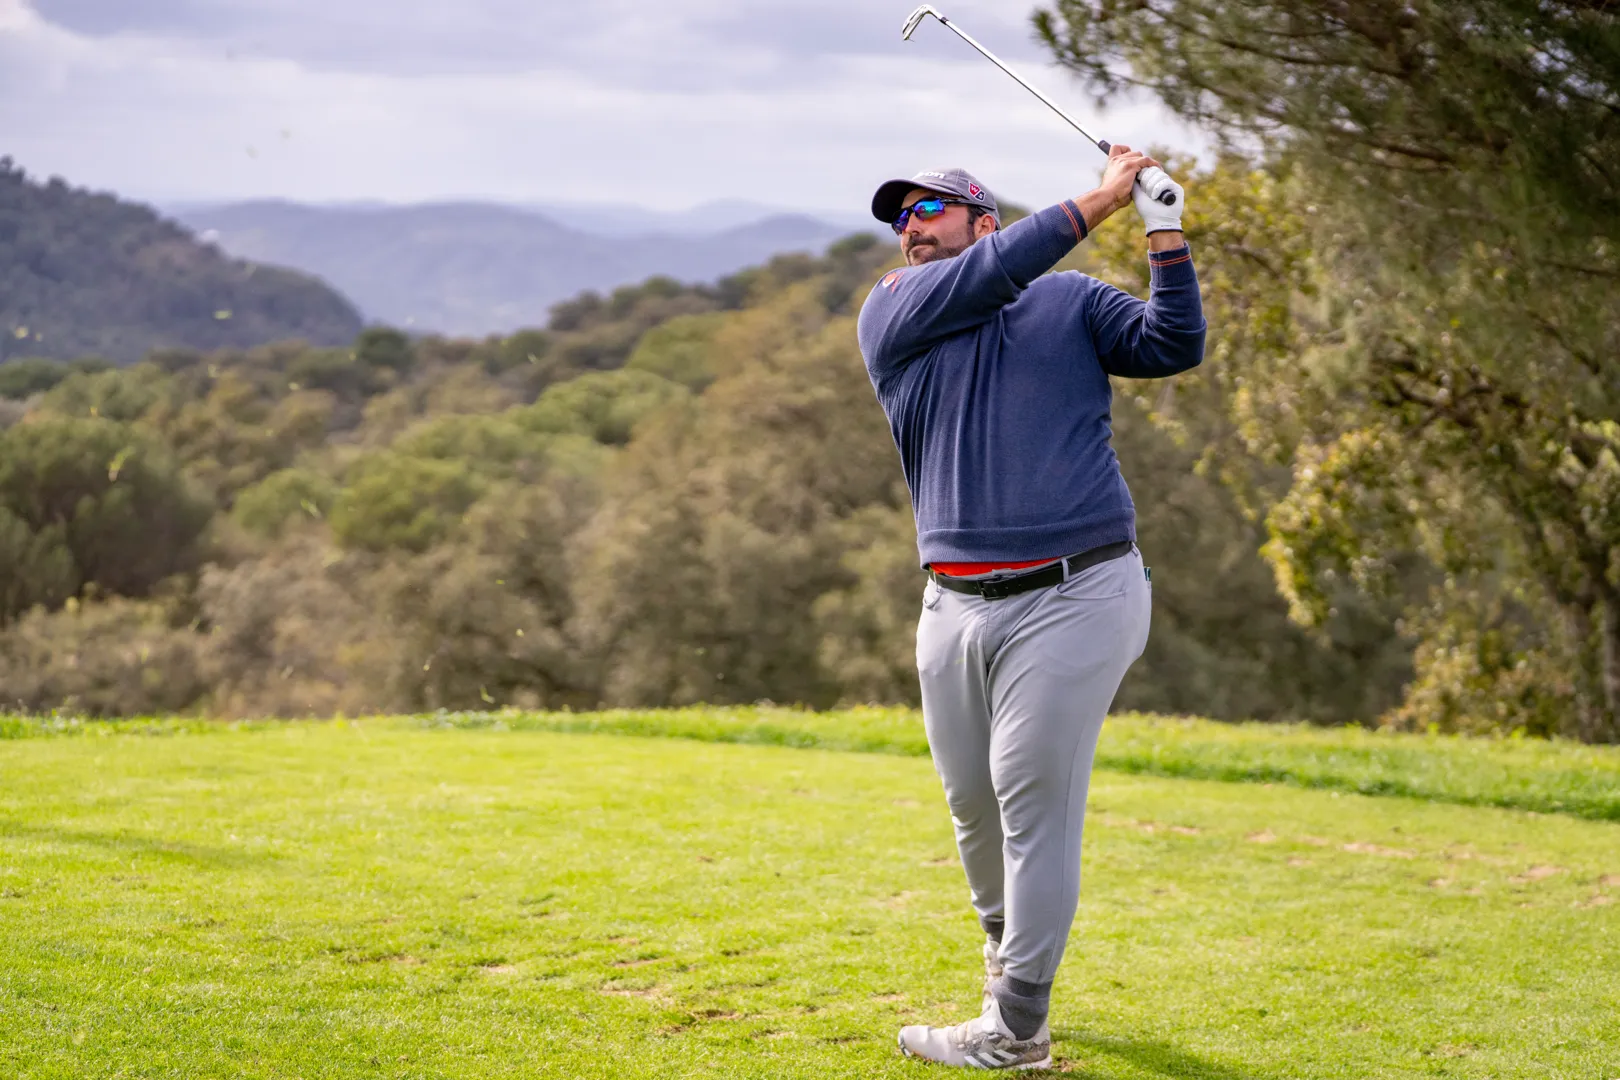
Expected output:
(1503, 108)
(384, 347)
(603, 406)
(719, 526)
(398, 501)
(287, 495)
(114, 501)
(35, 375)
(114, 657)
(679, 349)
(1458, 168)
(485, 619)
(36, 568)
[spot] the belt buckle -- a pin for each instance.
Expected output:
(997, 590)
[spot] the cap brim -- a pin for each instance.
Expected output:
(891, 195)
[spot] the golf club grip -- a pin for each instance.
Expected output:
(1156, 182)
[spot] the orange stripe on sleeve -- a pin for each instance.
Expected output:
(1079, 233)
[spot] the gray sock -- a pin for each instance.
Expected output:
(1023, 1004)
(994, 928)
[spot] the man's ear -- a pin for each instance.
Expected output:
(984, 226)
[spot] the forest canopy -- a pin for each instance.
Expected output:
(670, 494)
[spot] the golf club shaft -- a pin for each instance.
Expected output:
(1153, 180)
(1101, 144)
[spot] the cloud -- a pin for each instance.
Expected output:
(667, 104)
(633, 41)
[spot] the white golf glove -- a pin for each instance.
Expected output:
(1156, 216)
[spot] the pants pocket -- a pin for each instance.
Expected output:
(1104, 581)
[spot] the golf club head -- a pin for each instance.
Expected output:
(917, 17)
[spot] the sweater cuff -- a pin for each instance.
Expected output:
(1071, 213)
(1171, 267)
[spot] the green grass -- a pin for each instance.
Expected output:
(1550, 777)
(416, 899)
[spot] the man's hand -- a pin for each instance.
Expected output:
(1114, 192)
(1120, 175)
(1157, 217)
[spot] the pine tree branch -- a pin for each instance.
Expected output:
(1250, 49)
(1552, 330)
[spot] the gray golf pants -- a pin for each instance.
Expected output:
(1014, 694)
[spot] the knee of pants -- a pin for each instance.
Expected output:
(1033, 786)
(971, 806)
(1031, 772)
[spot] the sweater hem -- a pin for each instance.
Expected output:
(1020, 544)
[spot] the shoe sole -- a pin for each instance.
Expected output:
(1044, 1063)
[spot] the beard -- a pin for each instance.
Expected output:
(923, 249)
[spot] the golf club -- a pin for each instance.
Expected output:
(1154, 180)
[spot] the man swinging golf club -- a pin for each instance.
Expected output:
(995, 382)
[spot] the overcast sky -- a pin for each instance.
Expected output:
(670, 103)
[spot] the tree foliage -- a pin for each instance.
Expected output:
(1454, 171)
(92, 501)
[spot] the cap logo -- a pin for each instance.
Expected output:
(976, 191)
(936, 175)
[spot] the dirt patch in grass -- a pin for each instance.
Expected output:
(1360, 848)
(645, 993)
(638, 962)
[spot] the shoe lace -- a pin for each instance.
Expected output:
(970, 1032)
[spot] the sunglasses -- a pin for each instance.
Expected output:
(926, 210)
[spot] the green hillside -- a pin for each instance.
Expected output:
(670, 494)
(85, 274)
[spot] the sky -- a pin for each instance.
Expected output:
(667, 104)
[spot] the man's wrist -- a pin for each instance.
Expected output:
(1166, 240)
(1097, 204)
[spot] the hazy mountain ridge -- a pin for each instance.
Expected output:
(86, 273)
(471, 268)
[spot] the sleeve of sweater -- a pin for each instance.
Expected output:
(1163, 335)
(915, 307)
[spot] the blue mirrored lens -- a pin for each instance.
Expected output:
(923, 208)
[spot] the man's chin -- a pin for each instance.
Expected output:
(930, 253)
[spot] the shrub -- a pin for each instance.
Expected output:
(117, 657)
(267, 507)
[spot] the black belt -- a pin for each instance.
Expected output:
(1000, 588)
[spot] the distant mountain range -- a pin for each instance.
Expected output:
(471, 268)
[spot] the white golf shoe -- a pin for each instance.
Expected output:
(981, 1043)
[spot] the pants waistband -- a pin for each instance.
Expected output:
(1046, 576)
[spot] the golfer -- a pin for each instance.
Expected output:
(995, 382)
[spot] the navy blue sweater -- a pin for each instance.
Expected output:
(996, 388)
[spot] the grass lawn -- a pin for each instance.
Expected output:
(399, 899)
